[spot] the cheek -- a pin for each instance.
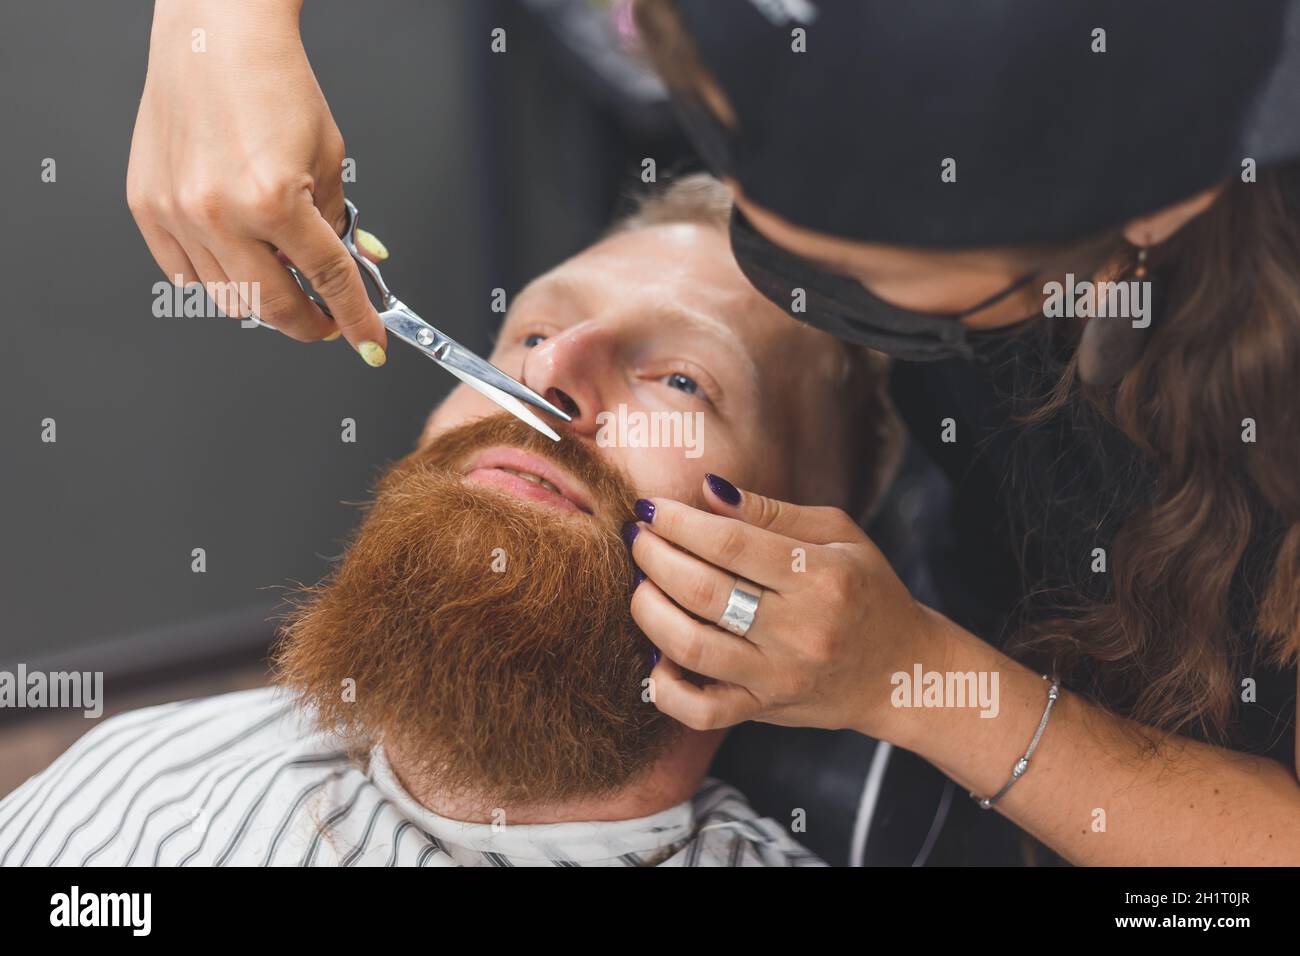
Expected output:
(668, 473)
(458, 407)
(765, 455)
(657, 472)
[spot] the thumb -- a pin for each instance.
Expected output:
(816, 525)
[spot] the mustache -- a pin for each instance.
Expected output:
(610, 488)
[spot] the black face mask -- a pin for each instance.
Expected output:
(847, 309)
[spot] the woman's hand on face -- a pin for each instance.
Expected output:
(236, 166)
(833, 622)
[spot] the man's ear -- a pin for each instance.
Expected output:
(1153, 229)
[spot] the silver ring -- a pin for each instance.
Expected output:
(742, 605)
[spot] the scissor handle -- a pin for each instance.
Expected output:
(368, 269)
(476, 372)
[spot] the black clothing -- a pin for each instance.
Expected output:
(957, 124)
(1074, 464)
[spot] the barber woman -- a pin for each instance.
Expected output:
(944, 182)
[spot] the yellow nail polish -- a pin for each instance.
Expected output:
(372, 353)
(333, 335)
(371, 244)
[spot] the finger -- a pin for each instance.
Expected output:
(327, 192)
(694, 585)
(710, 707)
(211, 275)
(743, 549)
(815, 525)
(329, 200)
(169, 254)
(321, 257)
(698, 647)
(269, 292)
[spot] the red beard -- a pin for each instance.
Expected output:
(489, 640)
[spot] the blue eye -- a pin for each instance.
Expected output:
(532, 340)
(683, 383)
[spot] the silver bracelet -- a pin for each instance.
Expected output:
(1018, 771)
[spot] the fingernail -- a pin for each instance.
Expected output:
(333, 335)
(654, 657)
(630, 531)
(637, 577)
(372, 353)
(371, 244)
(723, 488)
(644, 509)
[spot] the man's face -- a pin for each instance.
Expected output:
(479, 625)
(660, 321)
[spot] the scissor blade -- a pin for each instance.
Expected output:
(508, 402)
(456, 355)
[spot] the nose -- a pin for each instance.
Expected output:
(564, 401)
(568, 369)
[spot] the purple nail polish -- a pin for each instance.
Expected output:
(645, 510)
(723, 488)
(637, 577)
(630, 531)
(654, 657)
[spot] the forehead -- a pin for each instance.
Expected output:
(683, 268)
(686, 263)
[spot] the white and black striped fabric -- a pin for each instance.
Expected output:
(243, 780)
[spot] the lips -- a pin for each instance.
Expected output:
(529, 476)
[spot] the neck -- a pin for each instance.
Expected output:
(673, 778)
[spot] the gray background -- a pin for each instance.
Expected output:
(477, 170)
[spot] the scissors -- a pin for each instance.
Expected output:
(477, 373)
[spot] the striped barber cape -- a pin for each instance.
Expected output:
(243, 779)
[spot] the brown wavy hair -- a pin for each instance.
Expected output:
(1202, 528)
